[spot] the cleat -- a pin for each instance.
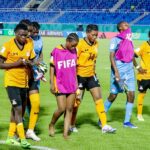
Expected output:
(99, 123)
(12, 141)
(140, 118)
(25, 144)
(130, 125)
(108, 129)
(30, 134)
(73, 129)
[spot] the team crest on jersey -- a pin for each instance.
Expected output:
(80, 85)
(14, 102)
(141, 87)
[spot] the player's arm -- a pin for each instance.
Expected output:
(113, 47)
(52, 75)
(113, 65)
(32, 59)
(41, 57)
(137, 53)
(3, 65)
(37, 61)
(52, 85)
(4, 52)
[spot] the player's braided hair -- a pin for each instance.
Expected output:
(72, 37)
(20, 27)
(91, 27)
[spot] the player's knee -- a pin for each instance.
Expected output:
(61, 110)
(18, 114)
(69, 109)
(112, 97)
(18, 109)
(130, 97)
(97, 97)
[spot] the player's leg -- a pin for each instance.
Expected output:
(15, 98)
(95, 90)
(97, 97)
(77, 103)
(130, 83)
(78, 99)
(69, 108)
(114, 90)
(12, 130)
(96, 94)
(140, 99)
(108, 102)
(142, 88)
(24, 143)
(34, 113)
(61, 104)
(28, 106)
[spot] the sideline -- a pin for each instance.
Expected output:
(33, 147)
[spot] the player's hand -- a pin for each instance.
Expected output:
(30, 62)
(37, 62)
(20, 62)
(142, 71)
(52, 88)
(78, 92)
(117, 76)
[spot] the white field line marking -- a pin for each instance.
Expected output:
(34, 147)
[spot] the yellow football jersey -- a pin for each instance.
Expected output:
(86, 60)
(17, 77)
(144, 53)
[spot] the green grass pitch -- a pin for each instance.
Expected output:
(89, 136)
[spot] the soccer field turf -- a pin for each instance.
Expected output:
(89, 136)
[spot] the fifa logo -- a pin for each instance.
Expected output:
(66, 63)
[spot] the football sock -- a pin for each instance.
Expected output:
(101, 111)
(140, 100)
(107, 105)
(128, 113)
(20, 130)
(12, 129)
(35, 106)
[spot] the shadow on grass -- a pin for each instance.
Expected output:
(116, 114)
(82, 119)
(43, 120)
(146, 110)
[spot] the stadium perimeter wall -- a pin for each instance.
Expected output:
(62, 30)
